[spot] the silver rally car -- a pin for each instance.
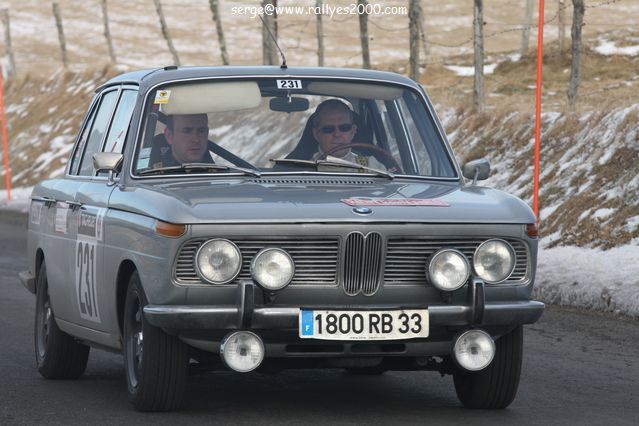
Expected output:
(265, 218)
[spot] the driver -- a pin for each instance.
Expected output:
(333, 126)
(188, 138)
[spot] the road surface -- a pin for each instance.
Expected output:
(579, 368)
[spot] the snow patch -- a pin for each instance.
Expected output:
(633, 223)
(470, 71)
(20, 199)
(590, 278)
(546, 212)
(602, 213)
(609, 48)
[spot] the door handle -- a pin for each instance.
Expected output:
(46, 200)
(74, 204)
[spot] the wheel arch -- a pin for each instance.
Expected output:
(39, 260)
(126, 269)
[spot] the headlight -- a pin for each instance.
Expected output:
(494, 260)
(218, 261)
(448, 270)
(273, 268)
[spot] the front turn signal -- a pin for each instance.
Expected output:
(171, 230)
(532, 230)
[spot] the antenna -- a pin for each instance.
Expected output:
(283, 66)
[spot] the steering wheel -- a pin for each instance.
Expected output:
(389, 160)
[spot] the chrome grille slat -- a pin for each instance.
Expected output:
(315, 259)
(406, 257)
(362, 263)
(373, 263)
(352, 262)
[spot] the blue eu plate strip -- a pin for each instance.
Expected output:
(307, 323)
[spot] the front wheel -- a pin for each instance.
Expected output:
(156, 364)
(58, 355)
(496, 385)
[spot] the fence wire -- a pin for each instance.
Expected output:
(303, 29)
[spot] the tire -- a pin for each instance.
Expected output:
(58, 355)
(495, 386)
(156, 364)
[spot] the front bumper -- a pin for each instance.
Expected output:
(286, 318)
(210, 320)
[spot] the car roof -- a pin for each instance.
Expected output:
(151, 77)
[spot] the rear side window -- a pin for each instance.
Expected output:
(96, 134)
(77, 156)
(117, 132)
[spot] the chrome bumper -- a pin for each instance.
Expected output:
(281, 318)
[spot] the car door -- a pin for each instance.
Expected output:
(94, 286)
(63, 292)
(58, 236)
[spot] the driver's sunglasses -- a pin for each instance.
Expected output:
(346, 127)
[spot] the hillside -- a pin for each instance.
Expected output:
(590, 167)
(590, 172)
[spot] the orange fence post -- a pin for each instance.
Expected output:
(540, 62)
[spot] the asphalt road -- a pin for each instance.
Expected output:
(579, 368)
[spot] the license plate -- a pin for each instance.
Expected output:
(363, 325)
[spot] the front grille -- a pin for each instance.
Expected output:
(315, 259)
(406, 258)
(362, 263)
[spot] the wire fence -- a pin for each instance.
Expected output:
(297, 33)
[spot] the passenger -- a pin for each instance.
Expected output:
(188, 138)
(333, 126)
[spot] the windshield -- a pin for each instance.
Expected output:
(275, 125)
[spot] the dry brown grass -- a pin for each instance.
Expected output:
(607, 82)
(50, 111)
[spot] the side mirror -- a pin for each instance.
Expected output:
(289, 104)
(108, 161)
(477, 170)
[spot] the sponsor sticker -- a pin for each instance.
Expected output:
(36, 212)
(61, 211)
(162, 97)
(145, 152)
(91, 223)
(394, 202)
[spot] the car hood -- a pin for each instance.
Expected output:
(285, 200)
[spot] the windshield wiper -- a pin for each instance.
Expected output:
(295, 162)
(332, 162)
(199, 166)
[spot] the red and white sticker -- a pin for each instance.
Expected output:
(394, 202)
